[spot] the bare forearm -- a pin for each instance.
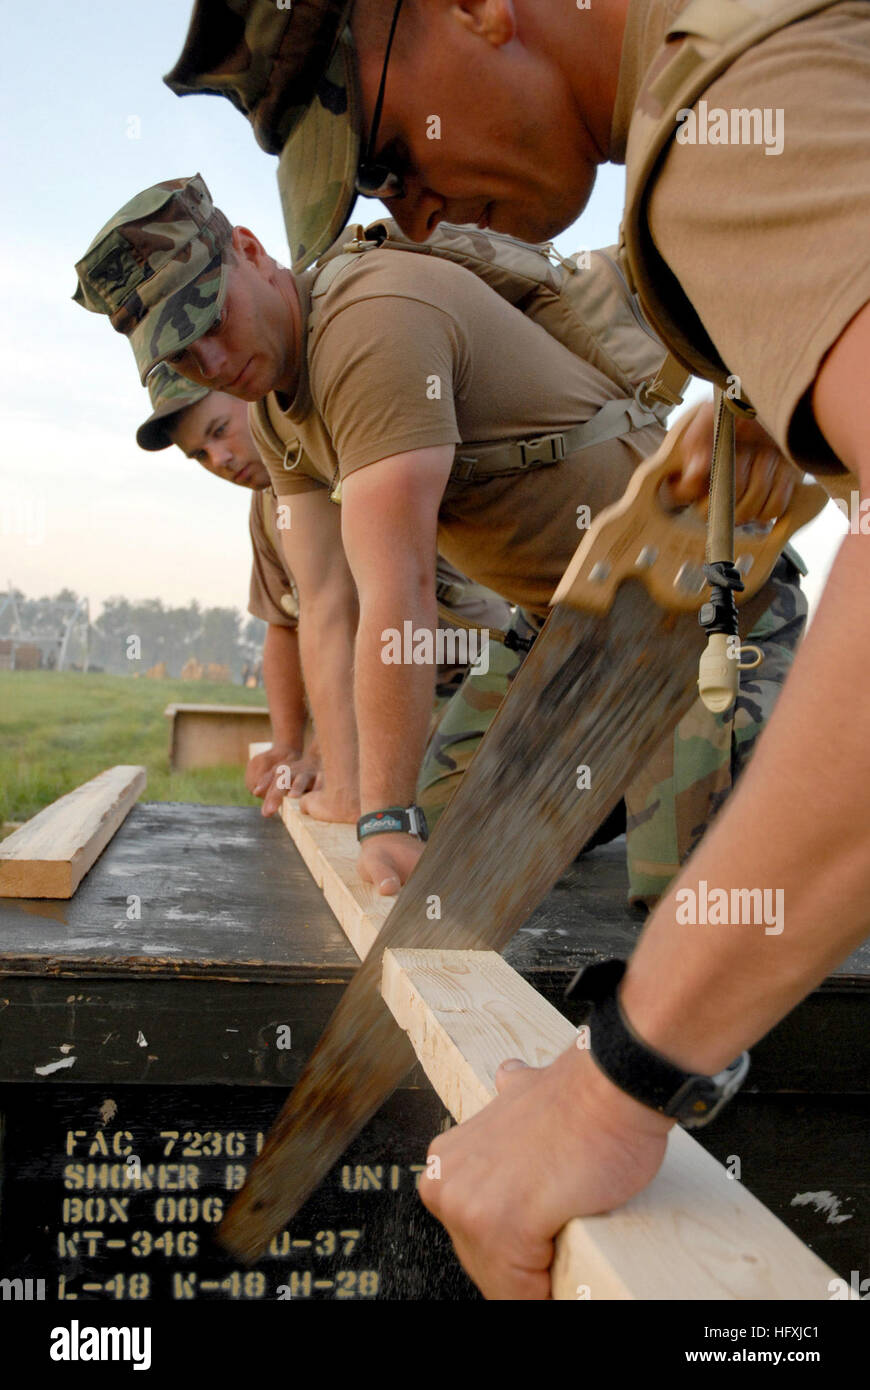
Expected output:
(393, 701)
(285, 691)
(796, 826)
(326, 636)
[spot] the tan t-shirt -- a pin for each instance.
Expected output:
(272, 595)
(772, 250)
(408, 352)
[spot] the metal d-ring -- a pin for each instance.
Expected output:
(297, 445)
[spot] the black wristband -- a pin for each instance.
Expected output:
(391, 820)
(638, 1069)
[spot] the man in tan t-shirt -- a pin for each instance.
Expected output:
(212, 428)
(773, 252)
(392, 360)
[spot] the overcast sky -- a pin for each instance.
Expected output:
(86, 123)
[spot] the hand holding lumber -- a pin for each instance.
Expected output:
(547, 1147)
(386, 861)
(277, 772)
(339, 805)
(558, 1139)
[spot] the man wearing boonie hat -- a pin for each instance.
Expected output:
(291, 71)
(359, 383)
(381, 339)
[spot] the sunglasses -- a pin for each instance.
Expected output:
(378, 178)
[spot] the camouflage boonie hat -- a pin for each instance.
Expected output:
(318, 165)
(170, 394)
(157, 269)
(292, 72)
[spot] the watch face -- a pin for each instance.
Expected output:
(693, 1103)
(702, 1097)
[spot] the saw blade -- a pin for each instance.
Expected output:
(588, 707)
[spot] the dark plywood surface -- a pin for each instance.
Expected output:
(233, 947)
(221, 890)
(223, 893)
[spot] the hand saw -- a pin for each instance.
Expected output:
(598, 691)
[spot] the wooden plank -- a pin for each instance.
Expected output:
(330, 854)
(694, 1233)
(50, 855)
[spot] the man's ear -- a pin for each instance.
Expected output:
(492, 20)
(247, 247)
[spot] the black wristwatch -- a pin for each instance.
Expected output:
(635, 1067)
(408, 820)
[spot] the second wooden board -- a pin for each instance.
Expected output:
(50, 855)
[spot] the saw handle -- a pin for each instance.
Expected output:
(638, 538)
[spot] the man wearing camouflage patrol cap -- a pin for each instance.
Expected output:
(212, 428)
(531, 382)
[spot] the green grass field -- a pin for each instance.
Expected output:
(57, 729)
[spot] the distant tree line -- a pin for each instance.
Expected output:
(132, 636)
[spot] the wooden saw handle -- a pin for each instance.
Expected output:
(637, 538)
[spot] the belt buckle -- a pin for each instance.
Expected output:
(530, 449)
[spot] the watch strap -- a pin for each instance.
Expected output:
(391, 820)
(640, 1070)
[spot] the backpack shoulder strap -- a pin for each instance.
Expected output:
(704, 40)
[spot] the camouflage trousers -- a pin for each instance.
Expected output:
(672, 801)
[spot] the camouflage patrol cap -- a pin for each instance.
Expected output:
(158, 269)
(170, 395)
(291, 71)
